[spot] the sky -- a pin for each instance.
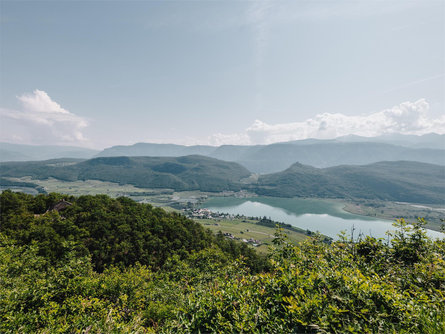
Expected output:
(103, 73)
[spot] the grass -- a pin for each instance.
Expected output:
(246, 229)
(157, 197)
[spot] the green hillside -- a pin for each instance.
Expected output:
(155, 150)
(404, 181)
(117, 232)
(182, 173)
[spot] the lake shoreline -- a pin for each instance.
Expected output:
(328, 216)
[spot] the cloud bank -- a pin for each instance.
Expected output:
(41, 121)
(406, 118)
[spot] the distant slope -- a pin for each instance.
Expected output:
(182, 173)
(262, 159)
(403, 181)
(18, 152)
(277, 157)
(430, 140)
(155, 150)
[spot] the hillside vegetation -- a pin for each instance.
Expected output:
(182, 173)
(114, 266)
(403, 181)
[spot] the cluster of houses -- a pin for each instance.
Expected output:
(206, 214)
(237, 194)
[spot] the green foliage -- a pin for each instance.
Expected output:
(113, 231)
(8, 183)
(68, 272)
(68, 297)
(345, 287)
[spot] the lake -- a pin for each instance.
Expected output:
(327, 217)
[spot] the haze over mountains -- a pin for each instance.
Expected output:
(350, 150)
(263, 159)
(19, 152)
(346, 167)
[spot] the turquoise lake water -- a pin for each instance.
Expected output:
(327, 217)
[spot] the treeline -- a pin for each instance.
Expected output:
(9, 183)
(93, 264)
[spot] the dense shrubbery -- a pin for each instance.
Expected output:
(345, 287)
(52, 281)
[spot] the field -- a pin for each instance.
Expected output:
(246, 229)
(157, 197)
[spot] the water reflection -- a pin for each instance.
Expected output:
(327, 217)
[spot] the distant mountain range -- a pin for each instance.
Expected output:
(19, 152)
(430, 140)
(403, 181)
(263, 159)
(351, 150)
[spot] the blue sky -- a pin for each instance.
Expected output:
(103, 73)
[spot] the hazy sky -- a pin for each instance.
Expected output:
(101, 73)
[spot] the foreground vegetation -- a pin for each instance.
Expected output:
(112, 265)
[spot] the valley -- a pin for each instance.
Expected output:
(366, 197)
(178, 200)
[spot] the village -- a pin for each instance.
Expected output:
(217, 216)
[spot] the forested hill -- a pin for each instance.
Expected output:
(117, 232)
(404, 181)
(181, 173)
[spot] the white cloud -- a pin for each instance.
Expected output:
(41, 121)
(406, 118)
(39, 102)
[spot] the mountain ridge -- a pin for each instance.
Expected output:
(264, 159)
